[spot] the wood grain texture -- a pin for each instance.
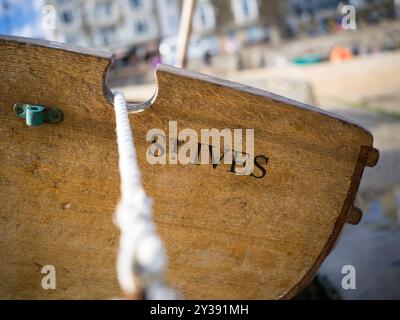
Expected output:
(58, 183)
(227, 236)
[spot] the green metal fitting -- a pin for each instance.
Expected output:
(36, 115)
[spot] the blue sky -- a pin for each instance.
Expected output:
(23, 18)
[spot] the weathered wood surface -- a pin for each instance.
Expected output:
(227, 236)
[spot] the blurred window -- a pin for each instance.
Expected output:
(141, 27)
(313, 5)
(168, 16)
(245, 10)
(67, 17)
(61, 2)
(204, 17)
(103, 9)
(108, 35)
(136, 3)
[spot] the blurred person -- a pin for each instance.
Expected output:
(207, 58)
(230, 45)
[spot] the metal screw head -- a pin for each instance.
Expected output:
(54, 115)
(19, 109)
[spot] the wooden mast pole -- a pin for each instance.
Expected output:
(185, 30)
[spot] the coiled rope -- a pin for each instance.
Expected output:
(141, 259)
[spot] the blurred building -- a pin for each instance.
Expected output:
(255, 21)
(239, 31)
(115, 23)
(251, 20)
(128, 23)
(313, 17)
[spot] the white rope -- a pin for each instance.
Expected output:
(141, 259)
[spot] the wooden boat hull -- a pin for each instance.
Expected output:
(227, 236)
